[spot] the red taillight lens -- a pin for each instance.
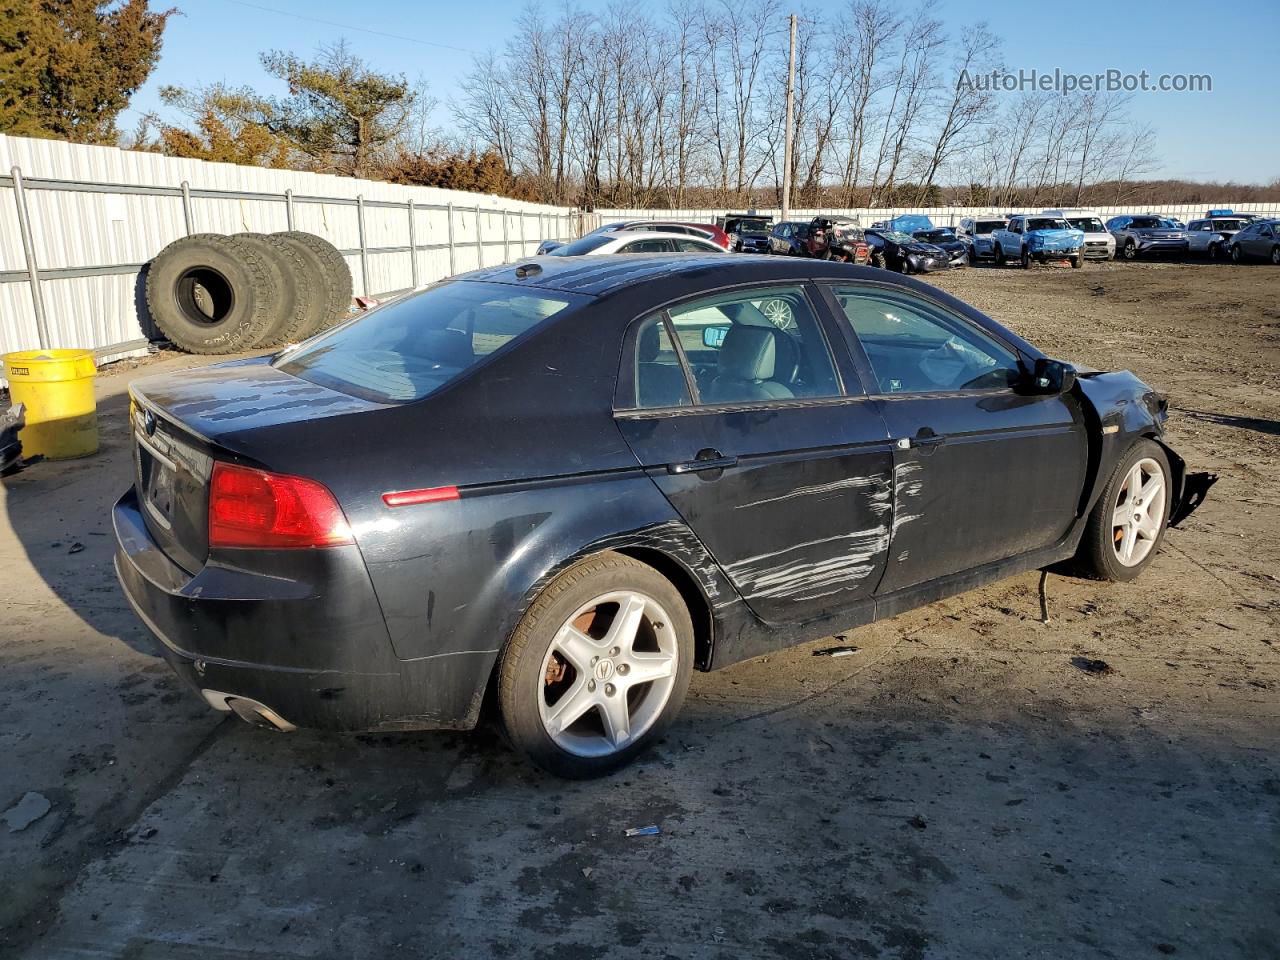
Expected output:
(405, 498)
(255, 508)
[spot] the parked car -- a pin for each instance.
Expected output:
(704, 231)
(1035, 237)
(748, 232)
(946, 240)
(894, 250)
(1212, 235)
(1142, 234)
(489, 491)
(788, 238)
(1099, 244)
(837, 238)
(1259, 240)
(635, 241)
(976, 234)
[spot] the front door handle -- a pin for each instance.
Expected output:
(705, 460)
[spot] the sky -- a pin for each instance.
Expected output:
(1231, 133)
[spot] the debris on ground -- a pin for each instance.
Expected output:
(587, 871)
(1096, 667)
(651, 831)
(842, 651)
(919, 822)
(76, 547)
(27, 811)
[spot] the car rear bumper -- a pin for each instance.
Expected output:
(310, 646)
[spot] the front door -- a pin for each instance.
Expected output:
(982, 471)
(779, 465)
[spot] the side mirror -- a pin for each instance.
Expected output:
(1052, 377)
(714, 336)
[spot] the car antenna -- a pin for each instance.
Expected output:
(528, 270)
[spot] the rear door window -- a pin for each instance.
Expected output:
(656, 245)
(412, 347)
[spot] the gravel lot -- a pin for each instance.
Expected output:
(958, 788)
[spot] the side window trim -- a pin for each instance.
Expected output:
(863, 362)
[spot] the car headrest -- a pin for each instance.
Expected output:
(748, 353)
(650, 343)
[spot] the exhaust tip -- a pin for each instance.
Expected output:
(248, 710)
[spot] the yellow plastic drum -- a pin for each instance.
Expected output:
(56, 387)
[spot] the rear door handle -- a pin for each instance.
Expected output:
(701, 464)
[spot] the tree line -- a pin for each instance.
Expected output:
(619, 106)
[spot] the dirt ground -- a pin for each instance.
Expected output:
(958, 788)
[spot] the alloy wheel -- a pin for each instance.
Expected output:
(608, 674)
(778, 313)
(1139, 511)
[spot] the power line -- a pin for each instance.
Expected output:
(347, 26)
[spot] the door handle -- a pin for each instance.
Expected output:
(701, 463)
(928, 441)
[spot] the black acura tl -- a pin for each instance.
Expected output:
(560, 486)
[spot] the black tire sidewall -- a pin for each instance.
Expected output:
(521, 665)
(337, 275)
(256, 298)
(293, 304)
(314, 276)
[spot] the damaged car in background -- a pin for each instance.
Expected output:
(554, 489)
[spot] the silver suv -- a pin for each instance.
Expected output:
(1212, 235)
(976, 234)
(1146, 233)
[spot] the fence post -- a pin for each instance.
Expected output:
(452, 268)
(506, 242)
(188, 215)
(413, 246)
(29, 248)
(479, 242)
(364, 246)
(524, 247)
(288, 207)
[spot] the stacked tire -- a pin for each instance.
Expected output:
(215, 294)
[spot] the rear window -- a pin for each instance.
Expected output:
(413, 347)
(583, 245)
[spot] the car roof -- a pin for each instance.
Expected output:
(601, 275)
(654, 234)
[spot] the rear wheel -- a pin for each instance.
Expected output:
(1129, 520)
(1275, 256)
(598, 667)
(1077, 261)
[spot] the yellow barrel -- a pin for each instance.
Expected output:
(56, 387)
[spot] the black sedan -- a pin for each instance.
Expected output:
(1260, 240)
(945, 239)
(894, 250)
(559, 487)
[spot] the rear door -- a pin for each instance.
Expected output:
(982, 472)
(765, 445)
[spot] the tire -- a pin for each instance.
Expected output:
(213, 294)
(999, 256)
(1077, 261)
(1236, 255)
(1130, 250)
(296, 293)
(532, 667)
(1275, 256)
(337, 276)
(1214, 252)
(1026, 259)
(1100, 553)
(311, 270)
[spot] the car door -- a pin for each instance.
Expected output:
(777, 462)
(982, 470)
(1260, 241)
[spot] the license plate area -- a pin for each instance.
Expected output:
(157, 475)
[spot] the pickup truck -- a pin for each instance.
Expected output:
(1040, 238)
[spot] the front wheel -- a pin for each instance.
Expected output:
(1026, 259)
(999, 256)
(1131, 250)
(1275, 256)
(1077, 261)
(598, 667)
(1236, 256)
(1129, 520)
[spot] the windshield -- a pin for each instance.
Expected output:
(941, 235)
(896, 236)
(749, 226)
(1148, 223)
(988, 226)
(1087, 224)
(607, 228)
(582, 245)
(412, 347)
(1047, 223)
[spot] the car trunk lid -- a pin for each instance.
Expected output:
(182, 423)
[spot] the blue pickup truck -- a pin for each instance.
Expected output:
(1037, 237)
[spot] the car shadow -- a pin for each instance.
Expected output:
(59, 539)
(1256, 424)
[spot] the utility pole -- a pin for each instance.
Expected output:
(791, 96)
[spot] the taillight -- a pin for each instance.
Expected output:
(256, 508)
